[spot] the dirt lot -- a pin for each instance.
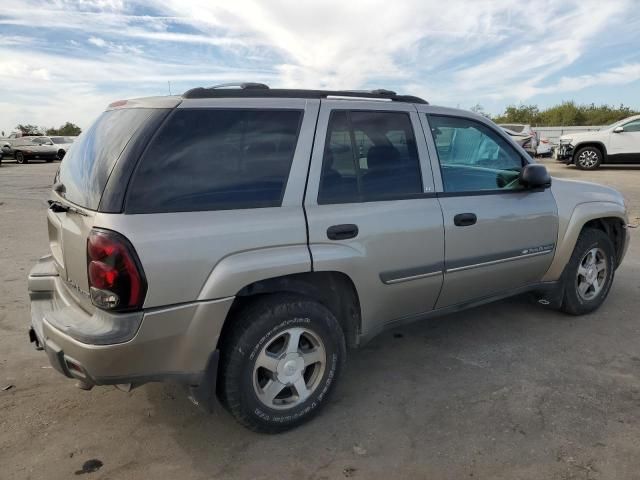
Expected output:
(509, 390)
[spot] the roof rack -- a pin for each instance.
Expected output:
(260, 90)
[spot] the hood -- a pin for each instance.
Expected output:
(580, 136)
(576, 192)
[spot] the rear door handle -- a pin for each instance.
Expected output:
(342, 232)
(465, 219)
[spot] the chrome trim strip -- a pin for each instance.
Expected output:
(412, 277)
(500, 260)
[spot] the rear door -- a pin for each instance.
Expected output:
(499, 236)
(371, 208)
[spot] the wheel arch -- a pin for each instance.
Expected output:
(609, 217)
(335, 290)
(590, 143)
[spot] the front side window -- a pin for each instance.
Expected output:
(632, 126)
(369, 155)
(216, 159)
(473, 157)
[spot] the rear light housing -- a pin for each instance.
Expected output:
(116, 278)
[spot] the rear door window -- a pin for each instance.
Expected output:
(216, 159)
(85, 169)
(369, 156)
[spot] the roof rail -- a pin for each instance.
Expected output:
(260, 90)
(243, 85)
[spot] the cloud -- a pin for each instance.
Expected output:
(496, 51)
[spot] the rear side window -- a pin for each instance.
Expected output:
(85, 169)
(216, 160)
(369, 156)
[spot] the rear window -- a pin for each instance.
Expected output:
(216, 160)
(513, 128)
(85, 169)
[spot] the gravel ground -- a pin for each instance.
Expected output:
(505, 391)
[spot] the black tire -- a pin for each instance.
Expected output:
(588, 158)
(262, 321)
(61, 154)
(20, 158)
(573, 303)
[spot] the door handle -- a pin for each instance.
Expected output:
(465, 219)
(342, 232)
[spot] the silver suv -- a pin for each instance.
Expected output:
(238, 240)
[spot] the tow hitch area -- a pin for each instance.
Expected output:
(33, 338)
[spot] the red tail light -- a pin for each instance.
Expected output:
(116, 278)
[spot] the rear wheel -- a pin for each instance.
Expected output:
(588, 158)
(589, 273)
(280, 362)
(20, 158)
(61, 154)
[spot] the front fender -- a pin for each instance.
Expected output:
(584, 143)
(570, 230)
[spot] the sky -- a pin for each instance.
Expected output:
(64, 60)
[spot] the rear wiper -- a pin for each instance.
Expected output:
(58, 207)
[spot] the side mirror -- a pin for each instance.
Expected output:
(535, 175)
(618, 130)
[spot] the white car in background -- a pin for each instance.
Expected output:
(524, 129)
(62, 143)
(545, 149)
(618, 143)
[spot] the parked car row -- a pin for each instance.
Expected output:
(40, 147)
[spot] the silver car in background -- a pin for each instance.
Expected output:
(238, 240)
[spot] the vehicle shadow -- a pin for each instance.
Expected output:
(394, 394)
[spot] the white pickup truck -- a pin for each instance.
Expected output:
(616, 144)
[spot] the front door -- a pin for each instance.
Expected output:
(499, 235)
(624, 147)
(372, 211)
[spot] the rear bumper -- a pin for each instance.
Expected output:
(175, 343)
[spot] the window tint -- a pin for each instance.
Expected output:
(632, 126)
(369, 156)
(216, 160)
(85, 169)
(473, 156)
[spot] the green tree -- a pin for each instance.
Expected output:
(68, 129)
(29, 129)
(565, 114)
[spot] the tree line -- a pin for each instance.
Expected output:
(67, 130)
(566, 114)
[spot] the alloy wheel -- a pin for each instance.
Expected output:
(588, 159)
(592, 274)
(289, 368)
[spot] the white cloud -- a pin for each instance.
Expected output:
(98, 42)
(459, 52)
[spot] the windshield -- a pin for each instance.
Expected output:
(85, 169)
(615, 124)
(59, 140)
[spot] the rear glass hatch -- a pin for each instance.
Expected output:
(80, 184)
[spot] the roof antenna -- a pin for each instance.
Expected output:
(169, 82)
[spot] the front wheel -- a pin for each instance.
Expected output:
(589, 274)
(280, 362)
(588, 158)
(20, 158)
